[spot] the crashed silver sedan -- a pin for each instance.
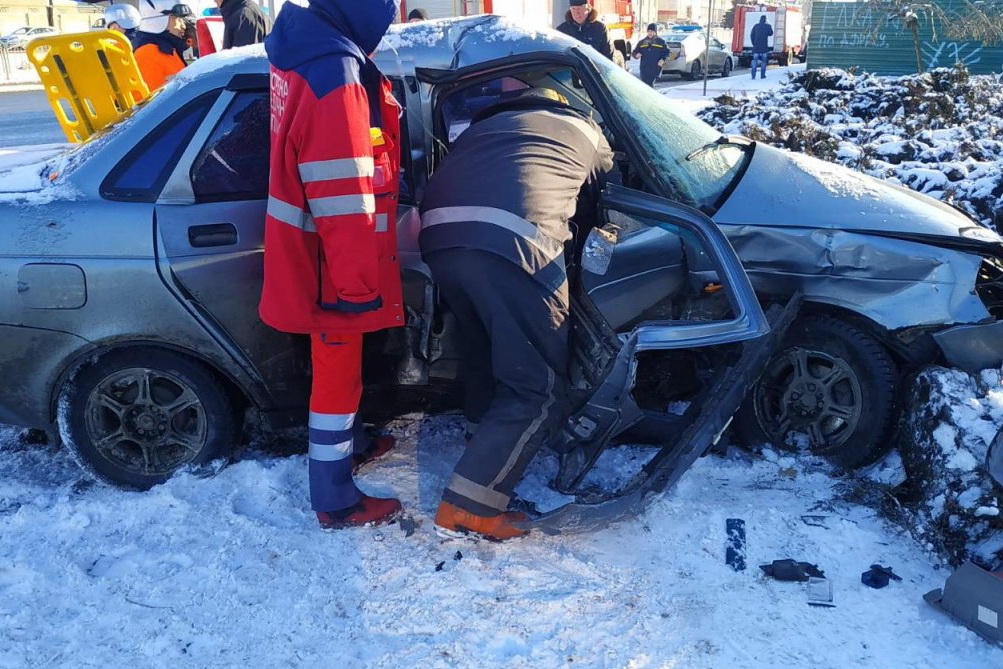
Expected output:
(130, 270)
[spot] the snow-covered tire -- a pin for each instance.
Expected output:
(831, 381)
(135, 416)
(618, 59)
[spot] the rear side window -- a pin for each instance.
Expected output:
(140, 176)
(233, 164)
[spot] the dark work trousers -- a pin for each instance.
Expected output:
(649, 73)
(514, 361)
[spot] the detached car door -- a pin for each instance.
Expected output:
(210, 221)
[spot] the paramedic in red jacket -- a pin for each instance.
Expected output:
(331, 267)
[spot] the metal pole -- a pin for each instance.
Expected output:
(706, 53)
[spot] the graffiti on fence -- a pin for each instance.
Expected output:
(948, 54)
(849, 26)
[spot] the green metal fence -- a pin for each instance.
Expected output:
(849, 34)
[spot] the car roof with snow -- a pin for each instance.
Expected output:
(444, 44)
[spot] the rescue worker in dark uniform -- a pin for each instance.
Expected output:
(581, 22)
(494, 227)
(652, 50)
(244, 22)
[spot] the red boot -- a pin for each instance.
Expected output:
(453, 522)
(369, 512)
(378, 447)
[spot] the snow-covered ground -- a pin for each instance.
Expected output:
(740, 84)
(939, 133)
(232, 571)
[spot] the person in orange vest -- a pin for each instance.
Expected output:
(160, 42)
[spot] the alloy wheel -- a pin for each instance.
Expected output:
(146, 421)
(811, 393)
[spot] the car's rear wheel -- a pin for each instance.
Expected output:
(726, 72)
(695, 71)
(136, 416)
(830, 389)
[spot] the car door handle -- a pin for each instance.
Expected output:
(217, 234)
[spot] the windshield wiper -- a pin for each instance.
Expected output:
(723, 140)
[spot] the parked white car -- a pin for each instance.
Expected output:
(688, 53)
(18, 39)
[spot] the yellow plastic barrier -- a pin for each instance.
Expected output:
(91, 79)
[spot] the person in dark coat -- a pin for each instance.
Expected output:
(243, 22)
(581, 22)
(417, 15)
(652, 50)
(760, 36)
(494, 224)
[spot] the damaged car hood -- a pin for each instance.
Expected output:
(898, 258)
(784, 189)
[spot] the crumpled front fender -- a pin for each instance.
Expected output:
(893, 282)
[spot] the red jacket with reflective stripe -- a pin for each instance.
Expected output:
(330, 239)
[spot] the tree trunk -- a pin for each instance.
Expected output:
(914, 27)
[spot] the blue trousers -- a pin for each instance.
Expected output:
(759, 58)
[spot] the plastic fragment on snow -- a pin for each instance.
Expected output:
(877, 576)
(815, 521)
(819, 591)
(791, 570)
(408, 525)
(974, 598)
(734, 554)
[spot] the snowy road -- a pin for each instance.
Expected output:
(26, 118)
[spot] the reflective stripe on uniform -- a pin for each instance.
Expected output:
(290, 214)
(503, 219)
(382, 223)
(332, 421)
(341, 168)
(476, 492)
(591, 132)
(342, 205)
(330, 436)
(531, 430)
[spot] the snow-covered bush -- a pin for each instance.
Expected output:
(950, 419)
(939, 133)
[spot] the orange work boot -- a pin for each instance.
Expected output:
(453, 522)
(378, 447)
(369, 512)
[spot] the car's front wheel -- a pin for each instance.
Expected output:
(830, 389)
(136, 416)
(726, 72)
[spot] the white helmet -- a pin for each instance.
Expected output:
(124, 15)
(155, 15)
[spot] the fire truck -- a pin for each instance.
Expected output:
(618, 15)
(785, 43)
